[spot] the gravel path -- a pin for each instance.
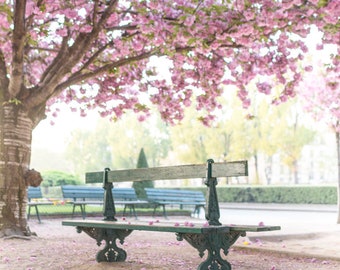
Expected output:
(58, 247)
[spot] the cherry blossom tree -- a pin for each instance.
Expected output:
(103, 55)
(320, 92)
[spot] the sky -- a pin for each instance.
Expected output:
(54, 137)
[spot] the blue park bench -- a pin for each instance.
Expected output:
(163, 197)
(211, 236)
(35, 198)
(81, 196)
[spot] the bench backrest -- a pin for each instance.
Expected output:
(124, 194)
(96, 193)
(82, 192)
(211, 171)
(225, 169)
(34, 193)
(174, 195)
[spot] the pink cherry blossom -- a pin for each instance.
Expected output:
(97, 57)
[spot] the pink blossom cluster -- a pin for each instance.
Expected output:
(320, 92)
(95, 54)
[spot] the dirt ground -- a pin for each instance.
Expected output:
(59, 247)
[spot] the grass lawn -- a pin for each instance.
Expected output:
(66, 209)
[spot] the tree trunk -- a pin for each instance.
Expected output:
(15, 151)
(268, 169)
(257, 177)
(295, 172)
(337, 134)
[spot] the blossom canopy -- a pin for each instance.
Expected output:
(107, 54)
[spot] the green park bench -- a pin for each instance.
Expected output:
(211, 236)
(163, 197)
(81, 196)
(35, 199)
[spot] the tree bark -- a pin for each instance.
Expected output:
(15, 151)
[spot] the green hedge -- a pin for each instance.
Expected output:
(277, 194)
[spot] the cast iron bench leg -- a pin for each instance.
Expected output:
(196, 212)
(83, 212)
(154, 210)
(37, 212)
(164, 212)
(29, 212)
(111, 252)
(74, 206)
(132, 207)
(132, 210)
(213, 242)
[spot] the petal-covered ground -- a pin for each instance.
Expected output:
(58, 247)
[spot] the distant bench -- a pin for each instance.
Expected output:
(163, 197)
(212, 237)
(34, 196)
(86, 195)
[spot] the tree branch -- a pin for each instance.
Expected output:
(95, 10)
(77, 77)
(93, 58)
(85, 76)
(3, 75)
(66, 59)
(18, 44)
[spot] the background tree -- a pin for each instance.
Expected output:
(320, 90)
(127, 136)
(96, 54)
(189, 139)
(58, 178)
(116, 144)
(293, 139)
(141, 185)
(262, 130)
(89, 150)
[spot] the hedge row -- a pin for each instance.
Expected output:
(277, 194)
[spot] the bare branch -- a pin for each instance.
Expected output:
(78, 78)
(91, 74)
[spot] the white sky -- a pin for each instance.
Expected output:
(54, 136)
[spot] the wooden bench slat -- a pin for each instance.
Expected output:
(166, 227)
(132, 226)
(229, 169)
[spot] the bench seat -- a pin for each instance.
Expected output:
(141, 225)
(203, 237)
